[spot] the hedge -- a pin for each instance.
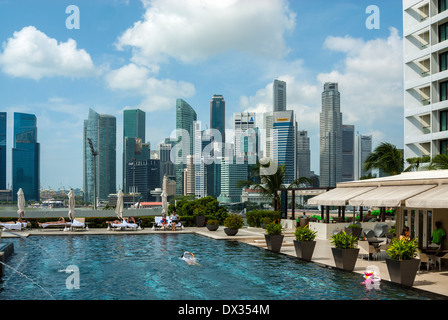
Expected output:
(253, 217)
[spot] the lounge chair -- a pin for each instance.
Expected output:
(61, 224)
(424, 258)
(15, 225)
(123, 225)
(380, 230)
(368, 233)
(158, 224)
(78, 223)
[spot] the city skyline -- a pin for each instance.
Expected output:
(112, 70)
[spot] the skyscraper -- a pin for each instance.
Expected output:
(330, 136)
(246, 137)
(3, 126)
(348, 152)
(134, 148)
(303, 155)
(101, 130)
(363, 147)
(26, 157)
(185, 116)
(284, 142)
(279, 95)
(217, 123)
(218, 115)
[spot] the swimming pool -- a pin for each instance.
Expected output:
(135, 267)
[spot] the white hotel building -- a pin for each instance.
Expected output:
(425, 36)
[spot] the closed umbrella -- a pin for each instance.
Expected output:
(21, 204)
(164, 197)
(71, 205)
(119, 207)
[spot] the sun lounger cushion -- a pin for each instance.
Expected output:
(14, 226)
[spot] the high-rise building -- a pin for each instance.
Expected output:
(167, 166)
(303, 155)
(284, 142)
(279, 95)
(3, 130)
(363, 147)
(330, 136)
(218, 116)
(185, 116)
(26, 157)
(425, 31)
(231, 173)
(134, 147)
(101, 129)
(246, 137)
(348, 152)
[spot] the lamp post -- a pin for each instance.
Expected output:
(94, 154)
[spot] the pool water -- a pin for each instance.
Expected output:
(134, 267)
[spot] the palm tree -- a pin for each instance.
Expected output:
(386, 157)
(414, 163)
(440, 161)
(270, 183)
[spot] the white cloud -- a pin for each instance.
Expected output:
(158, 94)
(30, 53)
(193, 30)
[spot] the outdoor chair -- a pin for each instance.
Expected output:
(368, 233)
(78, 223)
(367, 249)
(438, 259)
(380, 230)
(424, 258)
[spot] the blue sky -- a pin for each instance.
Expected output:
(146, 54)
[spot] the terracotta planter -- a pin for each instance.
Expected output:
(212, 227)
(274, 242)
(230, 231)
(304, 249)
(345, 259)
(402, 272)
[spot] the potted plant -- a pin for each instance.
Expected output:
(212, 225)
(274, 236)
(199, 217)
(264, 222)
(345, 251)
(304, 242)
(401, 263)
(232, 224)
(354, 229)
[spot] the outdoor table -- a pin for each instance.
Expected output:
(374, 242)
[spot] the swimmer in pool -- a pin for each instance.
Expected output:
(189, 258)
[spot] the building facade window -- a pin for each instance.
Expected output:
(443, 5)
(444, 147)
(443, 90)
(443, 57)
(444, 120)
(443, 32)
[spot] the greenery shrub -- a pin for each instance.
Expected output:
(212, 222)
(234, 221)
(342, 240)
(403, 249)
(274, 228)
(253, 218)
(305, 234)
(207, 206)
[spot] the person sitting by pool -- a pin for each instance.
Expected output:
(438, 235)
(405, 234)
(174, 220)
(164, 222)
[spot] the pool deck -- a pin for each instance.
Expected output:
(434, 281)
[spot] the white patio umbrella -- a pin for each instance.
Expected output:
(119, 206)
(21, 204)
(71, 205)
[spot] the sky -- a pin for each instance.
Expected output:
(127, 54)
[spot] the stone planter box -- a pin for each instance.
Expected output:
(230, 231)
(402, 272)
(274, 242)
(304, 249)
(200, 221)
(345, 259)
(212, 227)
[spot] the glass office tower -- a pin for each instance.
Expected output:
(26, 157)
(284, 142)
(3, 126)
(185, 116)
(101, 129)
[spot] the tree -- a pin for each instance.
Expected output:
(270, 183)
(387, 158)
(440, 161)
(414, 163)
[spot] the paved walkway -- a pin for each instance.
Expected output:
(433, 281)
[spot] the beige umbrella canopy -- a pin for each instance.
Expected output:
(21, 204)
(164, 197)
(71, 205)
(119, 206)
